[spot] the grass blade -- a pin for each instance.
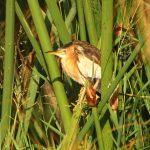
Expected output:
(8, 69)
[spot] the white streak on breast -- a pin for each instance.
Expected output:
(88, 68)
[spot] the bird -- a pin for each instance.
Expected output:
(81, 62)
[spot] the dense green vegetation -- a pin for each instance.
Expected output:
(41, 107)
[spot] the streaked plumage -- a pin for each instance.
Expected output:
(80, 60)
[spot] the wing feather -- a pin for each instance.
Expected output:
(90, 51)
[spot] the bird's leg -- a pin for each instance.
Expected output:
(90, 94)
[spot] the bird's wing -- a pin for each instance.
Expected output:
(90, 51)
(88, 68)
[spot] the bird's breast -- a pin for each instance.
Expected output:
(88, 67)
(70, 67)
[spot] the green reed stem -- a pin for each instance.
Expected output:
(51, 63)
(8, 69)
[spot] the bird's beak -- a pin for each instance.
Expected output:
(59, 53)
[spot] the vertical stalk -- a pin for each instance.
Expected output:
(71, 15)
(8, 69)
(106, 49)
(51, 63)
(81, 20)
(106, 64)
(144, 36)
(90, 22)
(98, 128)
(64, 35)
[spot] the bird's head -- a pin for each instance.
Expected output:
(65, 51)
(61, 52)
